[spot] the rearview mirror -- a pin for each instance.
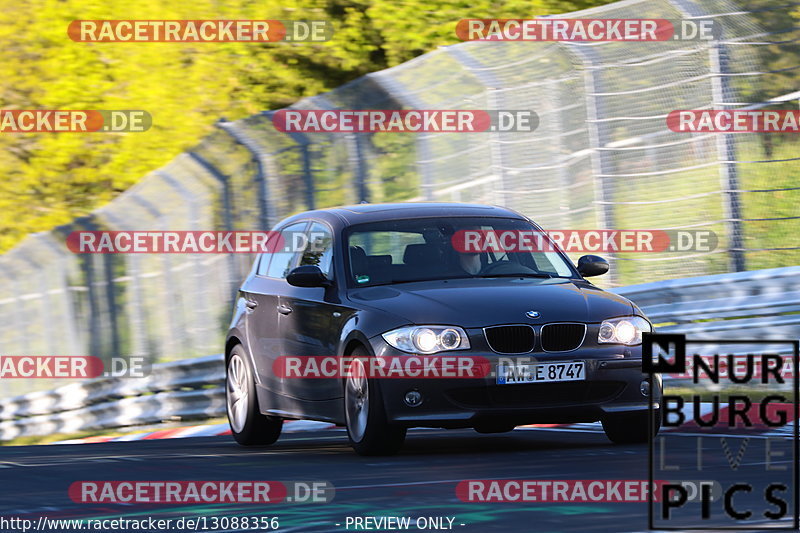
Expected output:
(592, 265)
(307, 276)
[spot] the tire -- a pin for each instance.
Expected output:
(248, 425)
(630, 428)
(368, 430)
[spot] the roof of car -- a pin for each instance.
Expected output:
(359, 213)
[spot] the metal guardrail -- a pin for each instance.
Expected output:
(602, 157)
(190, 389)
(761, 304)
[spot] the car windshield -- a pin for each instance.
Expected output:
(421, 249)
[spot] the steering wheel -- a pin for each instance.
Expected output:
(505, 267)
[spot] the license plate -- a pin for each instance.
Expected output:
(541, 372)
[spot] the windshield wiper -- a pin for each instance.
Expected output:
(519, 275)
(398, 281)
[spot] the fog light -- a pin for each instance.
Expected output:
(413, 398)
(644, 388)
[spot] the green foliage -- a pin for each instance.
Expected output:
(48, 179)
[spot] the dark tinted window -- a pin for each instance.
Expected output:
(319, 248)
(264, 259)
(283, 261)
(398, 251)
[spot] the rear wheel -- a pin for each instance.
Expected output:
(368, 430)
(247, 423)
(631, 428)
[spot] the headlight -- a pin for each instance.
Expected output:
(623, 330)
(427, 339)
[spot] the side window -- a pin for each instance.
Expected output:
(263, 263)
(319, 250)
(391, 243)
(264, 258)
(283, 260)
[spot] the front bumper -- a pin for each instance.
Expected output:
(613, 384)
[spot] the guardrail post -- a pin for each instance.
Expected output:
(721, 93)
(729, 181)
(175, 323)
(200, 295)
(308, 176)
(133, 270)
(227, 209)
(599, 137)
(491, 83)
(227, 215)
(93, 282)
(266, 208)
(303, 142)
(358, 161)
(395, 91)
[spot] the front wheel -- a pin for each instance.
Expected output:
(367, 428)
(248, 425)
(631, 428)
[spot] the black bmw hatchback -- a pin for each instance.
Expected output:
(374, 317)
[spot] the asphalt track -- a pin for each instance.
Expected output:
(420, 481)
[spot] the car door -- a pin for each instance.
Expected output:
(263, 292)
(311, 316)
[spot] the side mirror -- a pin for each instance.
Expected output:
(307, 276)
(592, 265)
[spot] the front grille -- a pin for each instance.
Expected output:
(537, 395)
(510, 339)
(562, 337)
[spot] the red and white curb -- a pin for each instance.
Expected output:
(293, 426)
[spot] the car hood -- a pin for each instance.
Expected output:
(484, 302)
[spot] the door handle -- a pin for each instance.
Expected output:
(251, 304)
(284, 309)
